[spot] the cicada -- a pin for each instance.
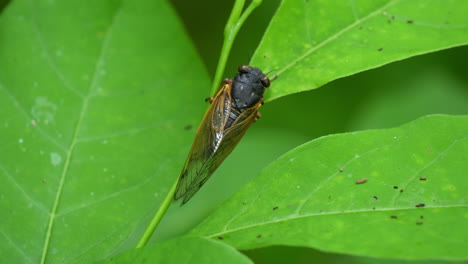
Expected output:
(233, 109)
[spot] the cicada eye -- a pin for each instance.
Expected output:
(243, 68)
(266, 82)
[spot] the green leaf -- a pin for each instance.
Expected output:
(97, 98)
(309, 197)
(310, 43)
(182, 250)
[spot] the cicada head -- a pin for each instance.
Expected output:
(248, 86)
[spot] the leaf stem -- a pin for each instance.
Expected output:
(234, 23)
(157, 216)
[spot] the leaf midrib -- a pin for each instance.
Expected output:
(288, 218)
(336, 35)
(75, 141)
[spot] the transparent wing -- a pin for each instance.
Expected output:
(213, 143)
(207, 138)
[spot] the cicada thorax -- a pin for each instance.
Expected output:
(247, 89)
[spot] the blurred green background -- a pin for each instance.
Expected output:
(381, 98)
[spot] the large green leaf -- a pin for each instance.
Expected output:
(182, 250)
(311, 43)
(393, 94)
(93, 114)
(309, 197)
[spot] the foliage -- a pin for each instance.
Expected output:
(101, 100)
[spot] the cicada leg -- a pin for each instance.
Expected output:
(257, 116)
(225, 81)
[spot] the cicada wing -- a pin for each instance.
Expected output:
(206, 141)
(230, 139)
(222, 144)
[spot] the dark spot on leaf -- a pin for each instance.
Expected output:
(394, 216)
(393, 17)
(420, 205)
(376, 198)
(419, 223)
(429, 151)
(409, 21)
(259, 235)
(373, 208)
(188, 127)
(360, 28)
(363, 180)
(422, 178)
(401, 190)
(220, 238)
(274, 208)
(395, 187)
(422, 216)
(380, 49)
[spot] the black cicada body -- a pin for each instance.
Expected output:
(232, 111)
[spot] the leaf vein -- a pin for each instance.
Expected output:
(74, 141)
(49, 59)
(295, 217)
(326, 180)
(16, 247)
(22, 190)
(107, 197)
(23, 111)
(335, 36)
(122, 133)
(426, 166)
(353, 8)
